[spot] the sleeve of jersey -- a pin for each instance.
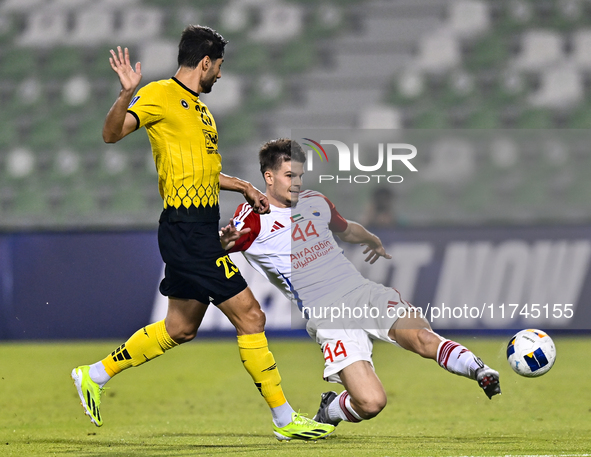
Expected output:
(148, 105)
(337, 222)
(245, 217)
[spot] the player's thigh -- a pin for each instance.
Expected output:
(413, 332)
(245, 313)
(363, 384)
(183, 318)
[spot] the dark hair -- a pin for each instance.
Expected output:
(273, 153)
(198, 41)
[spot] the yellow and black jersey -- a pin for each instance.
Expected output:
(184, 142)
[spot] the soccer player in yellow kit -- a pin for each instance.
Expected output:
(184, 141)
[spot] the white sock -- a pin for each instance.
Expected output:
(341, 410)
(98, 374)
(282, 414)
(458, 359)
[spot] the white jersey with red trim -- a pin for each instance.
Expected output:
(320, 272)
(296, 250)
(266, 246)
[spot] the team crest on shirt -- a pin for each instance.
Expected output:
(211, 141)
(133, 101)
(184, 104)
(315, 212)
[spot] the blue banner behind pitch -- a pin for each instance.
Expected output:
(104, 284)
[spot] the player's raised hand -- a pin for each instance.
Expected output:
(258, 200)
(229, 234)
(376, 250)
(121, 65)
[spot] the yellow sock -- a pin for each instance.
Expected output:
(260, 364)
(145, 344)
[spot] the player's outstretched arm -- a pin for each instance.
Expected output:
(254, 197)
(357, 234)
(230, 234)
(119, 122)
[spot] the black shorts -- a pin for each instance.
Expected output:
(196, 265)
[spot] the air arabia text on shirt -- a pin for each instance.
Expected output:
(394, 153)
(302, 258)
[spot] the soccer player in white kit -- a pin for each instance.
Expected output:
(294, 247)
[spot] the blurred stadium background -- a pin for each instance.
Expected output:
(412, 64)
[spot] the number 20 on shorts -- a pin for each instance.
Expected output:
(331, 354)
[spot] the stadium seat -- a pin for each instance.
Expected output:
(380, 117)
(407, 87)
(27, 95)
(67, 163)
(234, 18)
(76, 90)
(93, 26)
(561, 87)
(327, 19)
(468, 18)
(45, 28)
(278, 23)
(227, 97)
(158, 58)
(540, 49)
(581, 49)
(20, 6)
(438, 52)
(267, 91)
(140, 24)
(19, 163)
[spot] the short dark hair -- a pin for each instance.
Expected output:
(198, 41)
(273, 153)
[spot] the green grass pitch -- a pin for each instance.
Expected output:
(198, 400)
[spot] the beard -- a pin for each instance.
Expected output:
(207, 84)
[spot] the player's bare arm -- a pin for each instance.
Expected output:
(254, 197)
(119, 122)
(356, 233)
(230, 234)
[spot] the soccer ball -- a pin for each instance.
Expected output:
(531, 353)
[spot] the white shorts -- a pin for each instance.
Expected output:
(348, 340)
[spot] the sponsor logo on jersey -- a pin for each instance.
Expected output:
(315, 212)
(184, 104)
(133, 101)
(211, 141)
(276, 226)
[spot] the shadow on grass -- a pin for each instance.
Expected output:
(179, 445)
(256, 444)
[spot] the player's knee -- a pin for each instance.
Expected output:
(371, 406)
(253, 321)
(182, 333)
(426, 342)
